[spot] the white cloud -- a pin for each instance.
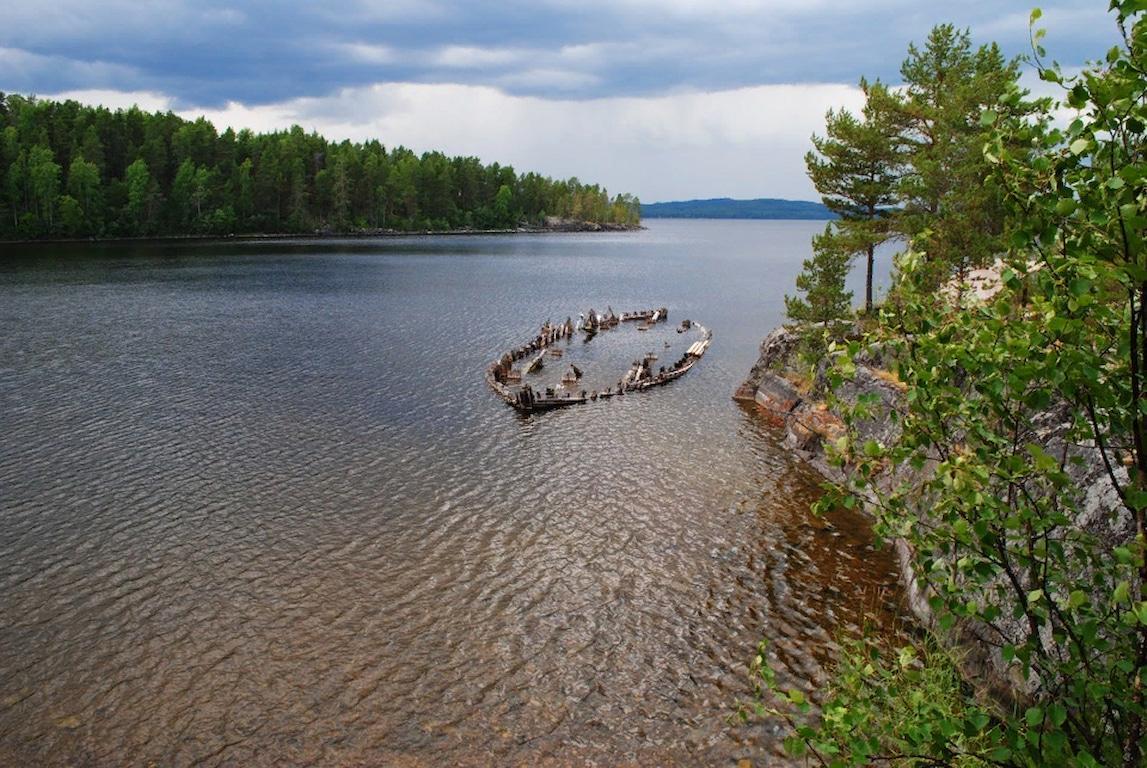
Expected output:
(1057, 21)
(570, 68)
(748, 142)
(604, 54)
(367, 53)
(1062, 115)
(469, 57)
(261, 119)
(547, 78)
(145, 100)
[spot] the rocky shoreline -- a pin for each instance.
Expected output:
(778, 388)
(551, 225)
(776, 385)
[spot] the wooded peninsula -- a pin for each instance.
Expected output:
(68, 170)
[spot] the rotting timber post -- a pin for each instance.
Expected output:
(506, 380)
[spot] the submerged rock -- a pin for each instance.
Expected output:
(69, 723)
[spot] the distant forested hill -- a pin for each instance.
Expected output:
(727, 208)
(69, 170)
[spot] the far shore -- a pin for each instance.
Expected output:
(335, 235)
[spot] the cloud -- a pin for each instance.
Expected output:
(145, 100)
(212, 52)
(49, 72)
(1062, 22)
(368, 54)
(389, 11)
(746, 142)
(546, 79)
(472, 57)
(665, 98)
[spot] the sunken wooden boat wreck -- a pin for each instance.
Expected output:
(507, 380)
(537, 363)
(645, 315)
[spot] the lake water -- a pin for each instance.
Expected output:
(258, 507)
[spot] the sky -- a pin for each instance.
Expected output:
(665, 99)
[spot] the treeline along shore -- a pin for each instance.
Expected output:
(73, 171)
(548, 225)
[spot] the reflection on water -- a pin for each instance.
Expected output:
(259, 508)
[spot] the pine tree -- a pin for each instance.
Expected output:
(855, 168)
(825, 301)
(133, 173)
(947, 197)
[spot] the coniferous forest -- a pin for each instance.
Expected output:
(70, 170)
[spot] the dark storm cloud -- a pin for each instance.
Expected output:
(209, 53)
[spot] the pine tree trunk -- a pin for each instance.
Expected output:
(868, 281)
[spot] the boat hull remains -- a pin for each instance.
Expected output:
(506, 380)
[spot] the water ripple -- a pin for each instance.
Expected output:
(259, 508)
